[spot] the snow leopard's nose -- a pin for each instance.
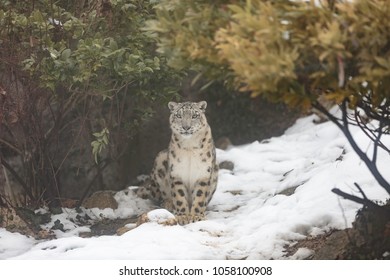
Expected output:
(186, 127)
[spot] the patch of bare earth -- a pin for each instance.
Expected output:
(369, 238)
(328, 246)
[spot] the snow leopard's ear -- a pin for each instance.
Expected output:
(202, 105)
(172, 106)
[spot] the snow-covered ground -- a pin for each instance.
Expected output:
(247, 218)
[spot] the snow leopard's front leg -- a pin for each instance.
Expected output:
(200, 194)
(180, 205)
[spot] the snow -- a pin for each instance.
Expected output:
(248, 217)
(302, 253)
(13, 244)
(160, 216)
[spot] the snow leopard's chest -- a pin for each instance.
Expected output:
(191, 161)
(190, 166)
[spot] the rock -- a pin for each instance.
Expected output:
(334, 247)
(289, 191)
(69, 203)
(45, 235)
(122, 230)
(223, 143)
(111, 227)
(126, 228)
(58, 225)
(226, 165)
(85, 234)
(160, 216)
(56, 210)
(101, 200)
(13, 222)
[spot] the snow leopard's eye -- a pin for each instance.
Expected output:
(178, 115)
(195, 115)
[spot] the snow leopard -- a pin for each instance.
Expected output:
(185, 176)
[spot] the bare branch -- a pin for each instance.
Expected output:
(366, 202)
(370, 133)
(369, 163)
(10, 146)
(377, 143)
(361, 190)
(92, 183)
(332, 118)
(17, 177)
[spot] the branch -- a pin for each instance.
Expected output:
(370, 165)
(343, 124)
(91, 184)
(381, 117)
(10, 146)
(370, 133)
(366, 202)
(2, 201)
(322, 109)
(17, 177)
(377, 143)
(360, 190)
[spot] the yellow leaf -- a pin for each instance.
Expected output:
(382, 62)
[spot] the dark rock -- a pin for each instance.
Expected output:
(333, 247)
(289, 191)
(56, 210)
(35, 218)
(226, 165)
(13, 222)
(223, 143)
(25, 221)
(101, 200)
(58, 225)
(110, 227)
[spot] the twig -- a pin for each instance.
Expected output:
(11, 146)
(361, 190)
(369, 163)
(343, 124)
(88, 189)
(332, 118)
(17, 177)
(377, 143)
(372, 136)
(366, 202)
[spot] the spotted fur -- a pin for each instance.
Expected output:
(185, 175)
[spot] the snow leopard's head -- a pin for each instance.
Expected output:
(187, 118)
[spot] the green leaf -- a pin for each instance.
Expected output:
(66, 54)
(101, 142)
(37, 16)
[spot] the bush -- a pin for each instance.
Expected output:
(75, 73)
(295, 52)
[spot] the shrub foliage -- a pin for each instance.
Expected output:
(296, 52)
(75, 73)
